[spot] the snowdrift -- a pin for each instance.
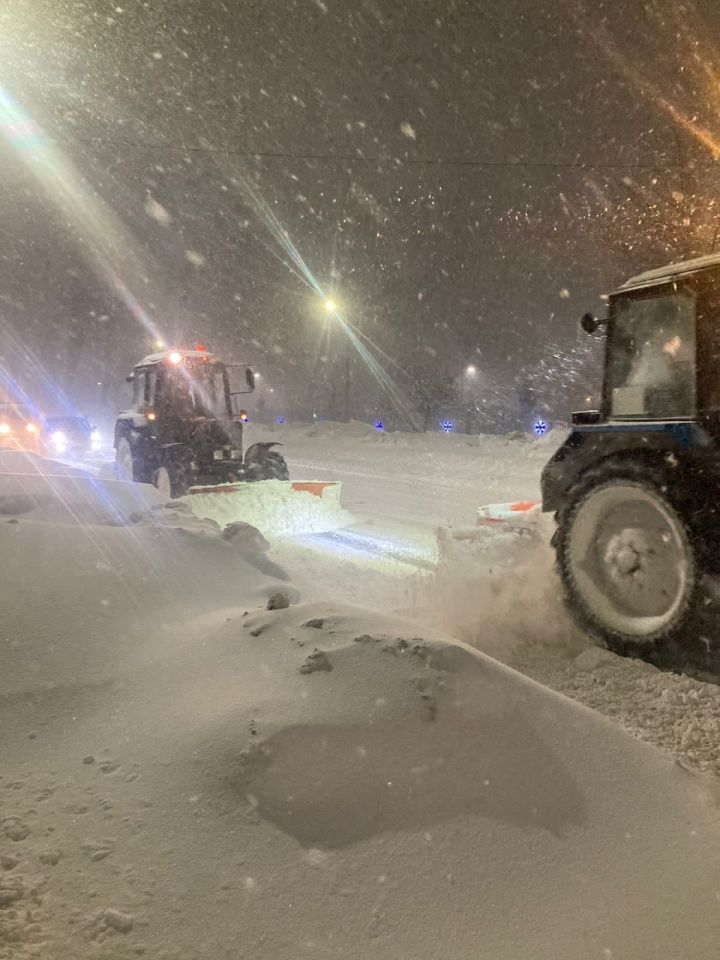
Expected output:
(324, 781)
(97, 572)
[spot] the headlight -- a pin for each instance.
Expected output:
(4, 428)
(95, 440)
(31, 427)
(59, 441)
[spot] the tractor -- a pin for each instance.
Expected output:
(184, 427)
(634, 487)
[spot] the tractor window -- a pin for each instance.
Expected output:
(139, 384)
(151, 380)
(209, 392)
(651, 361)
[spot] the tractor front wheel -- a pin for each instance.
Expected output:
(124, 461)
(627, 559)
(171, 480)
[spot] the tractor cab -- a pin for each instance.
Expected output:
(185, 427)
(663, 344)
(187, 385)
(634, 486)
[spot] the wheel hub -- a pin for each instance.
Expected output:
(626, 553)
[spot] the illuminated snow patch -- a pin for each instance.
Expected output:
(273, 507)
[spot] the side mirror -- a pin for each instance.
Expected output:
(590, 323)
(250, 378)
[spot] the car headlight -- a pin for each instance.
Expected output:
(4, 428)
(59, 441)
(31, 427)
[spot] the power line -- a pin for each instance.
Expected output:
(407, 161)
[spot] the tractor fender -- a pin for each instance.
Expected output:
(258, 451)
(590, 444)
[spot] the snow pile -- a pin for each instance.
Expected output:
(81, 599)
(677, 713)
(273, 507)
(319, 756)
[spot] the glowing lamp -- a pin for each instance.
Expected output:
(175, 357)
(4, 428)
(31, 428)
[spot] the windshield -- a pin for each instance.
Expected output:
(193, 390)
(651, 360)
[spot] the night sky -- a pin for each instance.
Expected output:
(465, 178)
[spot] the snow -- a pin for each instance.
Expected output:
(195, 258)
(157, 211)
(495, 588)
(273, 507)
(275, 779)
(187, 774)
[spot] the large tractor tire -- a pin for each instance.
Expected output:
(263, 463)
(627, 557)
(129, 466)
(171, 479)
(125, 467)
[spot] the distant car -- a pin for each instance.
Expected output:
(71, 436)
(20, 427)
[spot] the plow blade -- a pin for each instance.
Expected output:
(328, 490)
(514, 512)
(278, 508)
(497, 527)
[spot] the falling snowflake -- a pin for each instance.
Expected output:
(195, 258)
(157, 211)
(408, 130)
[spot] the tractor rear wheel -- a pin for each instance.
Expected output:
(627, 558)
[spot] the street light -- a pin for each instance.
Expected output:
(471, 370)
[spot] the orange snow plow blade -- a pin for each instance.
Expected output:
(323, 489)
(495, 513)
(495, 523)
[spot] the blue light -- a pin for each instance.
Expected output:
(447, 426)
(280, 420)
(379, 425)
(540, 428)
